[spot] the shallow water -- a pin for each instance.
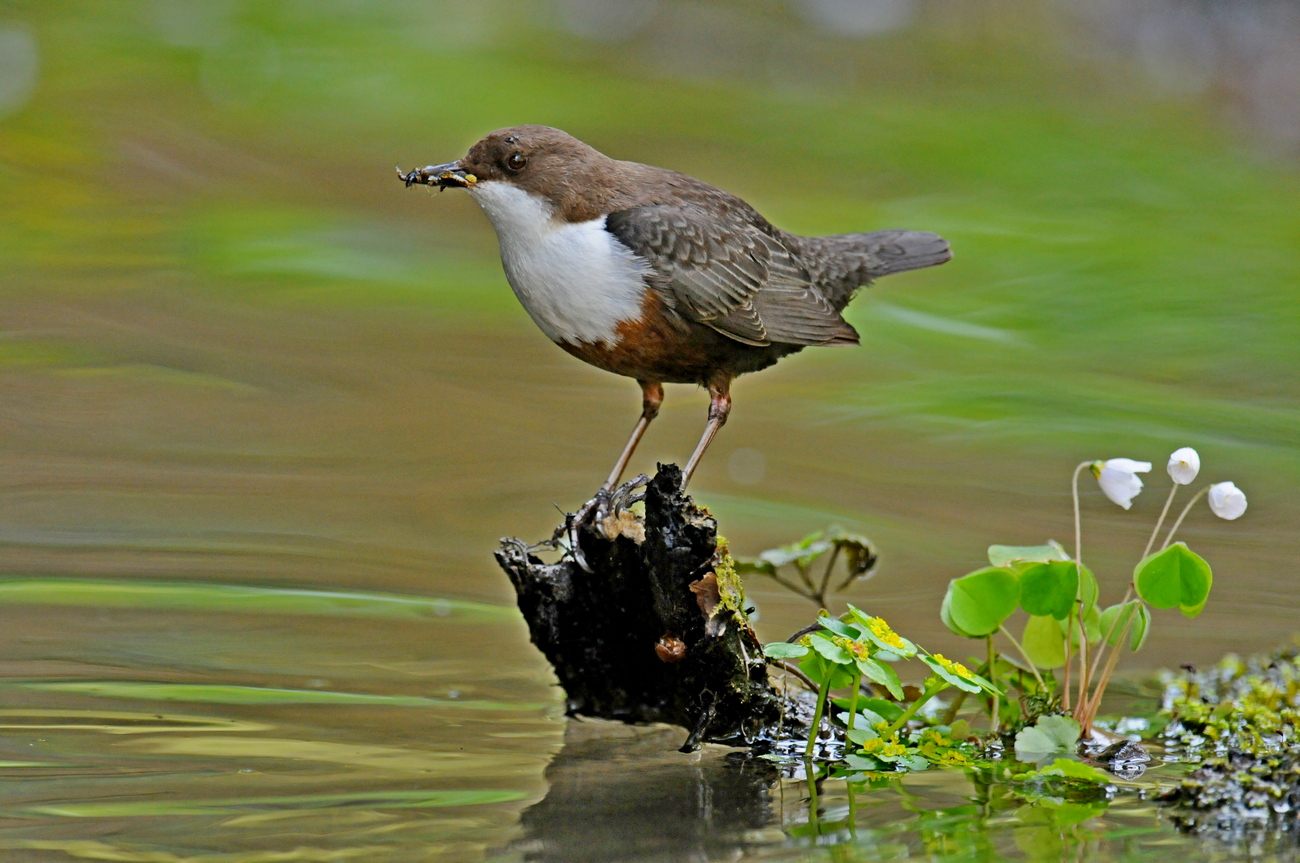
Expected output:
(265, 413)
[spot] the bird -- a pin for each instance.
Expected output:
(657, 276)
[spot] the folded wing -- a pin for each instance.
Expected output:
(722, 270)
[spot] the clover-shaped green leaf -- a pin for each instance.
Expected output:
(1089, 592)
(1048, 589)
(1115, 618)
(1044, 641)
(1176, 576)
(978, 603)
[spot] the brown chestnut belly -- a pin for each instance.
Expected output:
(673, 350)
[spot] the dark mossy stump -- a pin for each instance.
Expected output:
(657, 631)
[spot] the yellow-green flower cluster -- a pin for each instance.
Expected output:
(856, 649)
(953, 667)
(882, 630)
(879, 748)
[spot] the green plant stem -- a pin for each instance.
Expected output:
(1173, 530)
(1085, 723)
(810, 773)
(1083, 658)
(915, 706)
(817, 719)
(1160, 521)
(853, 811)
(994, 699)
(1069, 659)
(1078, 571)
(1105, 641)
(1021, 651)
(853, 701)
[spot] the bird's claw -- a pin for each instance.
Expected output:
(597, 511)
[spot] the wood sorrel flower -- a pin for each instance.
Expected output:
(1227, 501)
(1184, 465)
(1118, 478)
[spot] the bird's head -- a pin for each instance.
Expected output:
(539, 160)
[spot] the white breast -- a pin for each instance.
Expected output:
(575, 279)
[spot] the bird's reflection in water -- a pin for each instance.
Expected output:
(621, 793)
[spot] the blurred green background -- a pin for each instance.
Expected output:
(234, 344)
(236, 353)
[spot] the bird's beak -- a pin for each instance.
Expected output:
(450, 175)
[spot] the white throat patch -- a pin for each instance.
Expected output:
(575, 279)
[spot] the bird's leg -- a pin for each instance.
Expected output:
(719, 407)
(652, 396)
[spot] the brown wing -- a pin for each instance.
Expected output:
(720, 269)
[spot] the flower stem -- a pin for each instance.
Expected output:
(1069, 662)
(1078, 571)
(1105, 641)
(1173, 530)
(1021, 651)
(994, 699)
(1160, 521)
(1085, 723)
(817, 719)
(915, 706)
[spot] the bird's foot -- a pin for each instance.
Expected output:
(608, 513)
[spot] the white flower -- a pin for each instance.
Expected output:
(1118, 478)
(1184, 465)
(1227, 500)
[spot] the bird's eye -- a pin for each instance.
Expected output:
(516, 161)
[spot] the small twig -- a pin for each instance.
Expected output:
(826, 576)
(812, 627)
(802, 569)
(793, 588)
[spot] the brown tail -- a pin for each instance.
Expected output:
(845, 262)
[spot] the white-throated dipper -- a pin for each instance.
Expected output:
(655, 275)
